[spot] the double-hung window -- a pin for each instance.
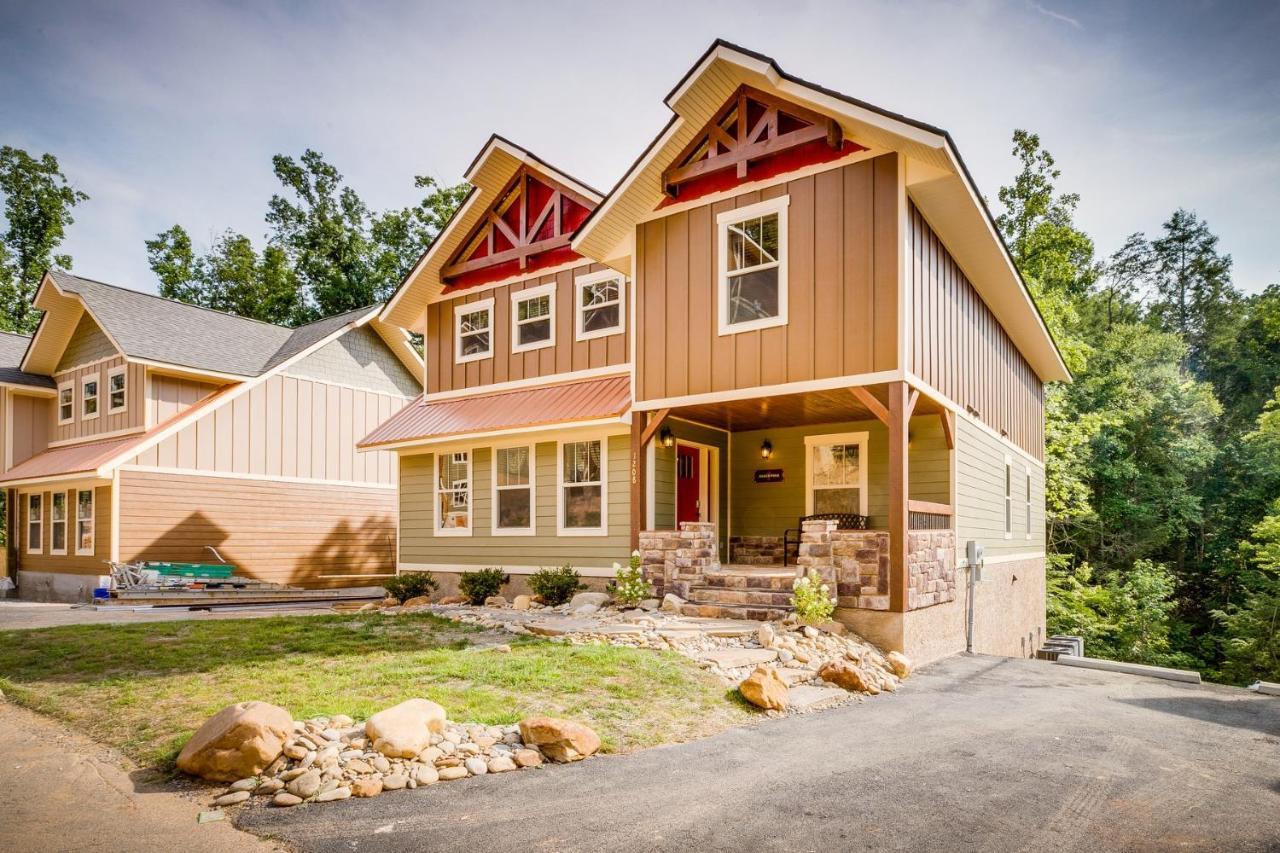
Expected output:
(84, 522)
(599, 305)
(117, 379)
(35, 523)
(89, 397)
(513, 503)
(66, 403)
(474, 330)
(836, 473)
(1008, 497)
(753, 266)
(453, 493)
(582, 499)
(1027, 472)
(533, 313)
(58, 523)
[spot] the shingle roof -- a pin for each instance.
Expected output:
(12, 348)
(158, 329)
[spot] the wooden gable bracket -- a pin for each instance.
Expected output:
(864, 396)
(948, 427)
(654, 424)
(516, 192)
(717, 146)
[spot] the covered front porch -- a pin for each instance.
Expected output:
(732, 499)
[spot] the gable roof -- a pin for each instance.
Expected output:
(12, 348)
(937, 181)
(489, 174)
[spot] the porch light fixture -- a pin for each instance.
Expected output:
(766, 449)
(666, 437)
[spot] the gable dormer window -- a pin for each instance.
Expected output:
(474, 330)
(66, 403)
(753, 266)
(89, 398)
(533, 313)
(600, 310)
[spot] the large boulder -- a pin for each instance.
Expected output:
(844, 674)
(588, 602)
(404, 730)
(764, 688)
(559, 740)
(237, 742)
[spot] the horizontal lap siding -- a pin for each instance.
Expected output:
(960, 348)
(445, 374)
(980, 493)
(842, 268)
(417, 518)
(71, 562)
(294, 533)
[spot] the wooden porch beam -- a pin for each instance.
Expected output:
(638, 474)
(949, 427)
(654, 424)
(899, 415)
(864, 396)
(912, 399)
(930, 507)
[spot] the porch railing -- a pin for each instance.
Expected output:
(927, 515)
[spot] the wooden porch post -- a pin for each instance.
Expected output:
(899, 415)
(638, 473)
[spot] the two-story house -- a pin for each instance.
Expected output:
(789, 336)
(139, 428)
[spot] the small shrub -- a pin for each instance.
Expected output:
(479, 585)
(629, 586)
(811, 599)
(410, 585)
(556, 586)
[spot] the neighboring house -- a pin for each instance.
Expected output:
(793, 303)
(139, 428)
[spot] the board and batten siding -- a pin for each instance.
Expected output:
(842, 271)
(133, 417)
(70, 563)
(768, 509)
(959, 347)
(980, 473)
(285, 427)
(88, 343)
(172, 395)
(24, 425)
(420, 546)
(309, 534)
(360, 359)
(568, 355)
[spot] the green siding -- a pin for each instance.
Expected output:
(980, 493)
(418, 544)
(664, 473)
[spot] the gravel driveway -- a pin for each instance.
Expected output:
(973, 752)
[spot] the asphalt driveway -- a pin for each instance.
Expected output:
(972, 753)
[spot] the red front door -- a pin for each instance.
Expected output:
(688, 485)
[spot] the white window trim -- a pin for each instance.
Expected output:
(1008, 496)
(66, 515)
(723, 221)
(38, 548)
(471, 308)
(603, 529)
(69, 385)
(494, 488)
(122, 370)
(93, 536)
(96, 378)
(1027, 473)
(548, 290)
(812, 441)
(437, 530)
(582, 282)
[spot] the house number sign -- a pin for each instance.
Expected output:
(769, 475)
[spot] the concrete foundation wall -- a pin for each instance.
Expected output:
(57, 586)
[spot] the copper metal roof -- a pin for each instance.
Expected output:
(71, 459)
(592, 399)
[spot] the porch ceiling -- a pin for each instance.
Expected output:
(808, 407)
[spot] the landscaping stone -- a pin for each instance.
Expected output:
(285, 799)
(425, 774)
(404, 730)
(306, 786)
(395, 781)
(649, 604)
(270, 786)
(559, 740)
(734, 658)
(764, 689)
(454, 599)
(244, 784)
(900, 663)
(522, 602)
(765, 635)
(417, 601)
(672, 603)
(334, 794)
(806, 697)
(232, 798)
(448, 774)
(476, 766)
(528, 758)
(495, 601)
(370, 787)
(846, 675)
(598, 599)
(501, 764)
(238, 741)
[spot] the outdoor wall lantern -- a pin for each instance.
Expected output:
(667, 437)
(766, 449)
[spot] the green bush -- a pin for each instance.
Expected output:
(410, 585)
(629, 586)
(556, 586)
(479, 585)
(811, 599)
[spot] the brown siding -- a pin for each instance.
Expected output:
(132, 418)
(282, 532)
(842, 269)
(444, 374)
(30, 419)
(960, 348)
(71, 562)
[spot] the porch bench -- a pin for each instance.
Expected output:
(843, 520)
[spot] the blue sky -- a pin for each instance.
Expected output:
(169, 112)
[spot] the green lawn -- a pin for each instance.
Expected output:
(145, 688)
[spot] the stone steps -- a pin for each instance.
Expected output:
(707, 594)
(754, 612)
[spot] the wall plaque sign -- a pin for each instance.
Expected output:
(769, 475)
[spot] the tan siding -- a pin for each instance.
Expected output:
(842, 268)
(134, 416)
(361, 359)
(980, 493)
(445, 374)
(292, 533)
(172, 395)
(418, 543)
(960, 348)
(71, 562)
(88, 343)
